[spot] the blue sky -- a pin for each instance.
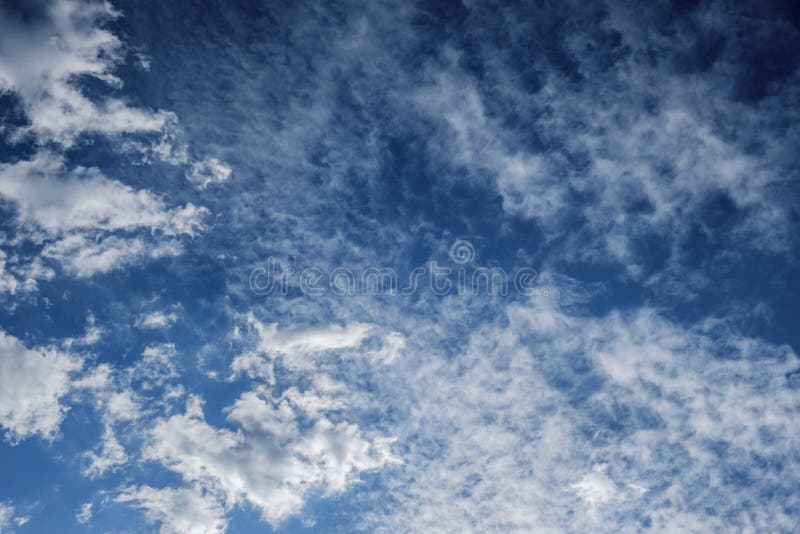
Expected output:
(639, 162)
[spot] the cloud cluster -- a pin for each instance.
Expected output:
(269, 462)
(375, 134)
(273, 451)
(33, 382)
(177, 510)
(611, 145)
(555, 420)
(207, 172)
(44, 59)
(89, 223)
(8, 517)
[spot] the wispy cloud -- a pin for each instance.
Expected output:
(643, 159)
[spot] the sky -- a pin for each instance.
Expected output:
(464, 266)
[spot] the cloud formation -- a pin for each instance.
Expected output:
(642, 159)
(44, 58)
(33, 384)
(269, 462)
(177, 510)
(535, 427)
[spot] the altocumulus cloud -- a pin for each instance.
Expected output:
(642, 160)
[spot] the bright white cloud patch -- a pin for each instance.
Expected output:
(270, 461)
(156, 320)
(32, 383)
(310, 340)
(300, 345)
(189, 510)
(209, 171)
(595, 488)
(43, 58)
(91, 335)
(84, 219)
(111, 454)
(59, 201)
(87, 219)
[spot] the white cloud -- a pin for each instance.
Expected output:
(393, 344)
(551, 420)
(8, 282)
(113, 397)
(118, 407)
(84, 220)
(156, 366)
(595, 488)
(314, 339)
(85, 515)
(298, 346)
(18, 274)
(111, 455)
(528, 182)
(8, 518)
(124, 399)
(42, 59)
(156, 320)
(60, 201)
(92, 335)
(83, 257)
(270, 461)
(32, 383)
(609, 162)
(671, 162)
(209, 171)
(87, 218)
(503, 429)
(189, 510)
(6, 512)
(629, 152)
